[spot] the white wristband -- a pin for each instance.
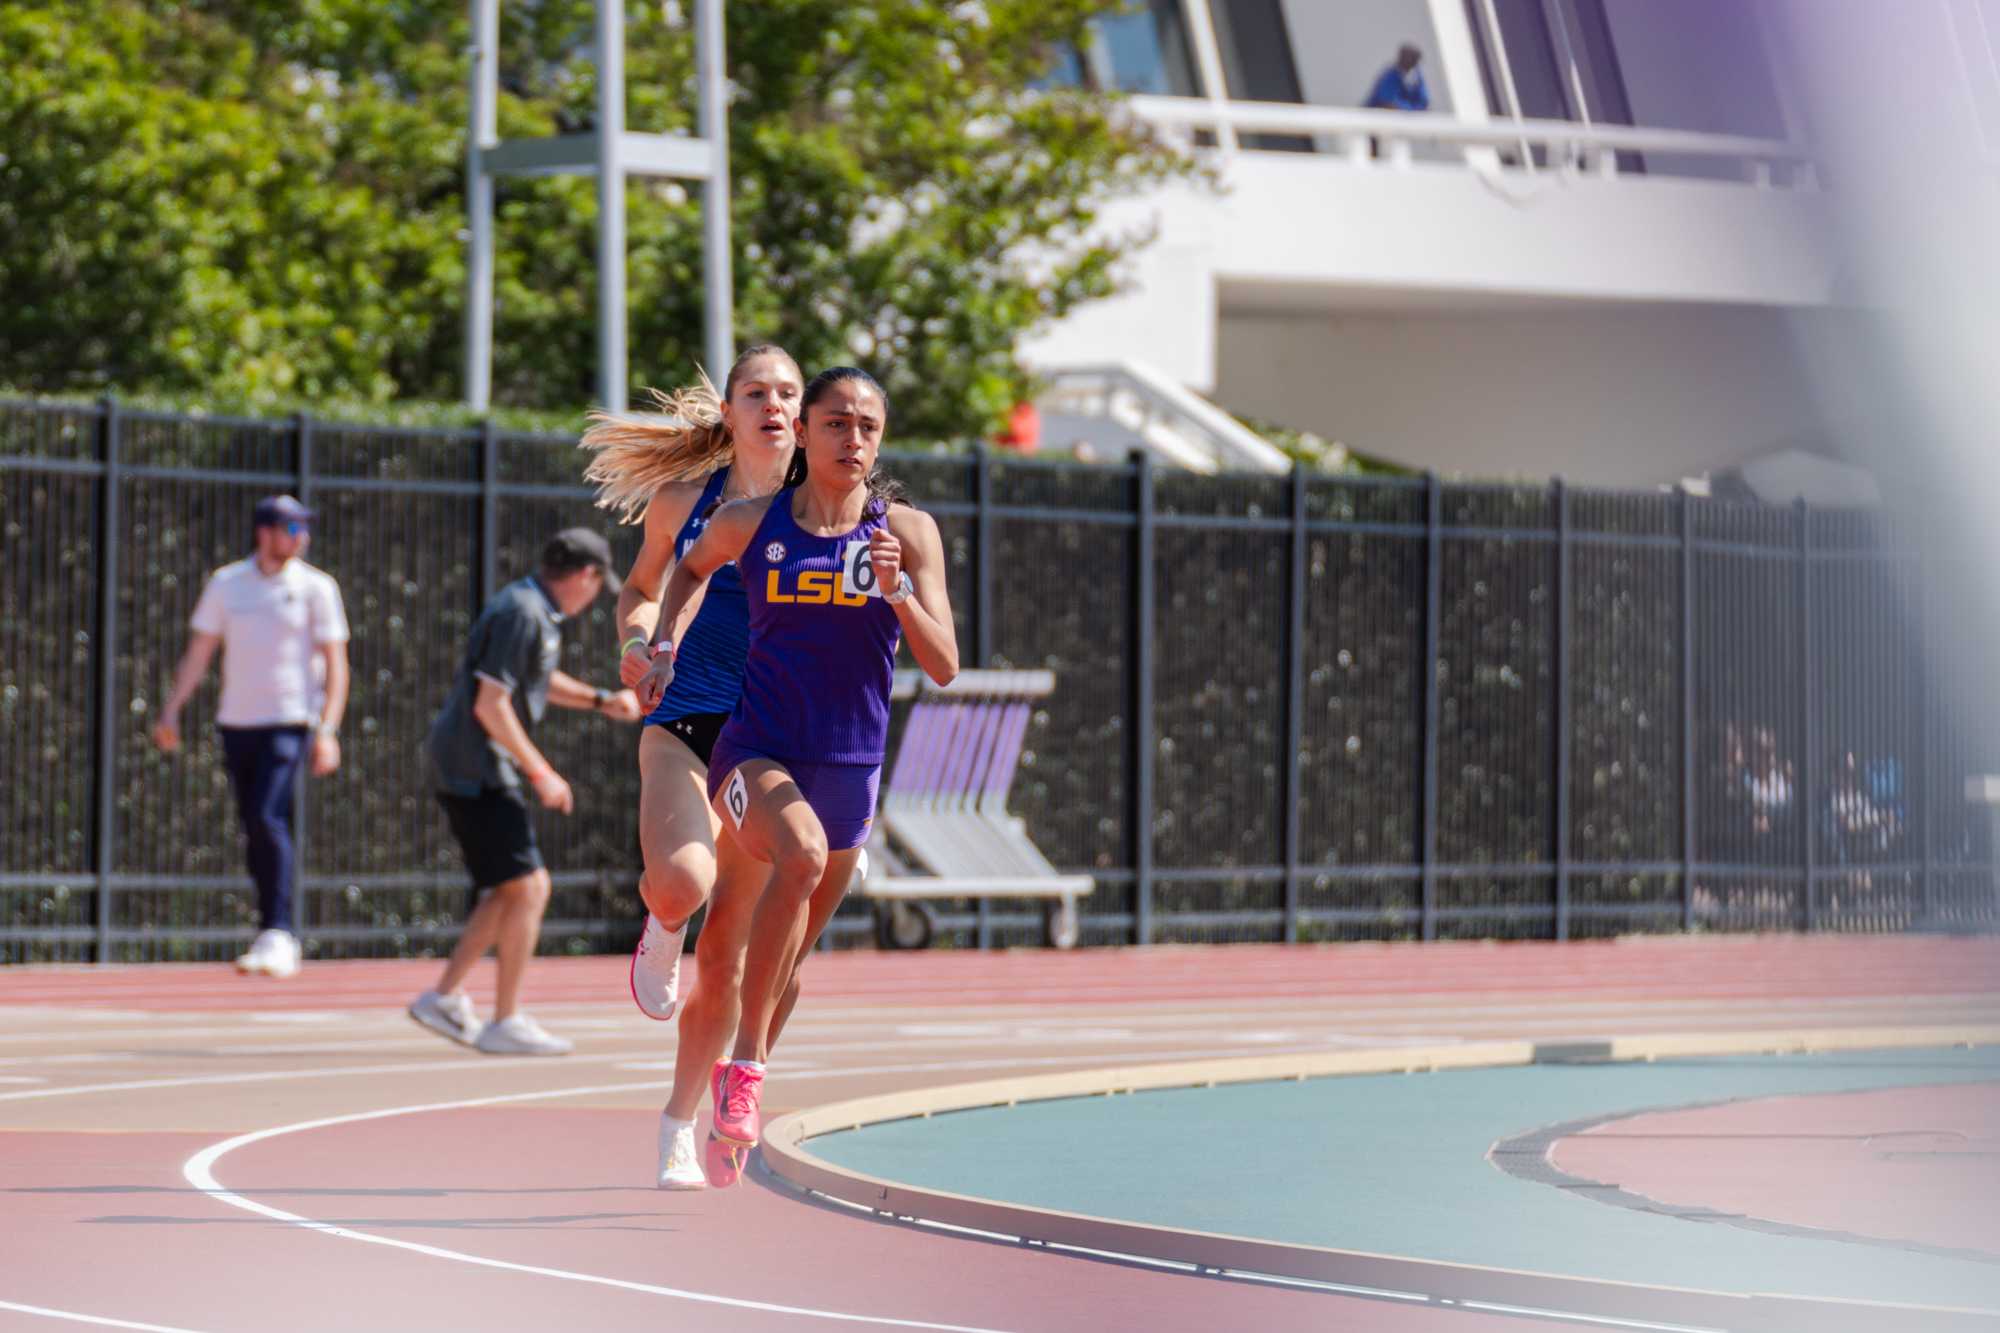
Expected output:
(904, 588)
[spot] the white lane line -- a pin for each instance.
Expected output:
(1353, 1010)
(101, 1320)
(21, 1078)
(623, 1059)
(199, 1172)
(284, 1075)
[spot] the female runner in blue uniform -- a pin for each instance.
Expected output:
(677, 472)
(836, 570)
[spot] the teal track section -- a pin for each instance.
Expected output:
(1396, 1164)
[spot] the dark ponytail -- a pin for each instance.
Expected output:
(883, 490)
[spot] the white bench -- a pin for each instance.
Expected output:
(942, 820)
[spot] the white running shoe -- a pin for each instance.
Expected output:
(680, 1157)
(449, 1016)
(275, 953)
(656, 969)
(519, 1034)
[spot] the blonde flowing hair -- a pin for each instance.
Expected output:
(688, 438)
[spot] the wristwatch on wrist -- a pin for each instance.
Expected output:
(603, 697)
(904, 587)
(663, 646)
(325, 729)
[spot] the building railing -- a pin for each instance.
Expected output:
(1286, 707)
(1178, 424)
(1362, 135)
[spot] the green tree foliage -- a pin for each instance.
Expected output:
(264, 202)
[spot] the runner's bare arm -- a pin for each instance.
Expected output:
(726, 537)
(910, 541)
(639, 599)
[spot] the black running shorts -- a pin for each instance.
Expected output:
(495, 834)
(697, 731)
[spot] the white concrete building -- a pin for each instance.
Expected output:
(1607, 251)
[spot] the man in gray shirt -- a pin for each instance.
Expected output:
(482, 758)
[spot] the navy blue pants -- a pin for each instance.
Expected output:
(264, 765)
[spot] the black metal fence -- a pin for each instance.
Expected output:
(1287, 708)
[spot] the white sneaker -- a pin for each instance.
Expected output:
(275, 953)
(521, 1035)
(680, 1159)
(656, 969)
(448, 1015)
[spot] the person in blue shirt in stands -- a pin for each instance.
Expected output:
(1401, 85)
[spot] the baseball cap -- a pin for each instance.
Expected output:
(577, 548)
(276, 509)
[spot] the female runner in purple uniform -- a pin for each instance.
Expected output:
(710, 449)
(836, 569)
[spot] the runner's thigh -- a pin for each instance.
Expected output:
(673, 800)
(765, 811)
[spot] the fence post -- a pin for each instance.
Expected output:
(1295, 699)
(1809, 765)
(110, 524)
(1560, 493)
(1920, 775)
(982, 613)
(982, 557)
(1433, 628)
(489, 515)
(1687, 709)
(302, 443)
(1142, 704)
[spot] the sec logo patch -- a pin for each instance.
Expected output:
(774, 552)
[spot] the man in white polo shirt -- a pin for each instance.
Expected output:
(283, 635)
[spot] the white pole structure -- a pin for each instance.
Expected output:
(479, 204)
(718, 275)
(613, 154)
(612, 391)
(1208, 64)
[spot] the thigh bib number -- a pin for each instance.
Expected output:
(736, 797)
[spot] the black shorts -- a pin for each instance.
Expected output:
(697, 731)
(495, 833)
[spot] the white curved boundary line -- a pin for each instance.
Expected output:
(199, 1172)
(101, 1320)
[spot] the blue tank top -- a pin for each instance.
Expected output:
(708, 662)
(822, 645)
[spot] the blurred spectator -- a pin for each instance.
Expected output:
(1768, 783)
(1862, 806)
(1401, 85)
(486, 765)
(283, 636)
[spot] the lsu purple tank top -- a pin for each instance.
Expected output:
(822, 645)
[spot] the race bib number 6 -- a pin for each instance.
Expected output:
(736, 797)
(857, 573)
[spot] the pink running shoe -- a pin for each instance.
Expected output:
(722, 1162)
(736, 1109)
(715, 1074)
